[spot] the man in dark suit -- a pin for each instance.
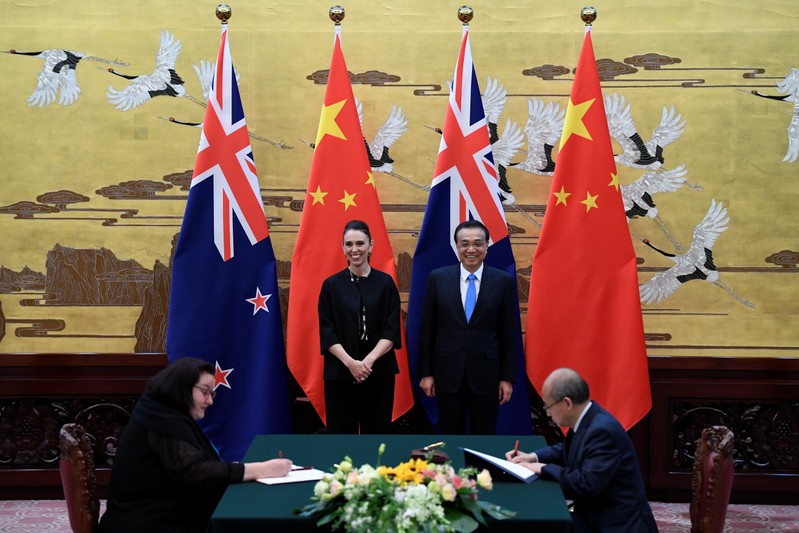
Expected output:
(596, 465)
(467, 351)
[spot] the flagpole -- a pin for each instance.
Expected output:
(223, 13)
(465, 15)
(336, 14)
(588, 15)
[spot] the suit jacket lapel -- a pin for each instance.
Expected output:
(567, 445)
(577, 439)
(454, 286)
(485, 288)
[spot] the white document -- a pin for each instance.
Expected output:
(298, 474)
(516, 470)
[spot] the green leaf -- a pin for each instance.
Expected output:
(309, 510)
(473, 507)
(459, 521)
(495, 511)
(326, 519)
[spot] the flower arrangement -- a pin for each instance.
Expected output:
(416, 495)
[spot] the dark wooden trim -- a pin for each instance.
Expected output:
(66, 386)
(688, 392)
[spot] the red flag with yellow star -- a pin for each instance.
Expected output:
(341, 188)
(584, 310)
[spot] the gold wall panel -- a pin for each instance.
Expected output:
(92, 196)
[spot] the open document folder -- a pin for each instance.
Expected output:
(500, 469)
(297, 474)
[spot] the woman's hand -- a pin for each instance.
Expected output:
(271, 468)
(360, 370)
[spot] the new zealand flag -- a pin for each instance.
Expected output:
(224, 305)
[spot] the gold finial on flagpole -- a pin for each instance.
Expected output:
(588, 14)
(223, 12)
(465, 14)
(336, 14)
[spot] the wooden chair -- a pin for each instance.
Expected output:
(78, 479)
(711, 484)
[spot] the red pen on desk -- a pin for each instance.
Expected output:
(280, 454)
(516, 448)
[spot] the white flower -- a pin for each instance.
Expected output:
(484, 480)
(321, 488)
(367, 474)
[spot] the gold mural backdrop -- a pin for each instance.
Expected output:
(93, 193)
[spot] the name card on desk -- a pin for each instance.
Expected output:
(500, 469)
(298, 474)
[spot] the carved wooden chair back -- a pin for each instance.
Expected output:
(78, 479)
(711, 485)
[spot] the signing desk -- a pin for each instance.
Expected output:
(539, 505)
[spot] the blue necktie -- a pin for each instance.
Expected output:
(471, 297)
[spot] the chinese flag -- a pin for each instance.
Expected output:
(584, 310)
(341, 187)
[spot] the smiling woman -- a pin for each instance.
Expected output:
(359, 327)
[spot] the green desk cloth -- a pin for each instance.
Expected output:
(539, 505)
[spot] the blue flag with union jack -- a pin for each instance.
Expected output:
(465, 187)
(224, 305)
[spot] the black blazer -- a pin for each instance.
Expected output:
(484, 349)
(339, 307)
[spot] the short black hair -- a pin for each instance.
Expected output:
(172, 385)
(357, 225)
(466, 224)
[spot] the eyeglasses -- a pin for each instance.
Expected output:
(477, 245)
(206, 392)
(553, 404)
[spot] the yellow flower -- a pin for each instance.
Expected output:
(386, 472)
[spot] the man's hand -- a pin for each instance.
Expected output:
(505, 391)
(535, 467)
(428, 386)
(520, 457)
(532, 466)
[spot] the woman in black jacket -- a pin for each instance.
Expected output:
(359, 327)
(167, 475)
